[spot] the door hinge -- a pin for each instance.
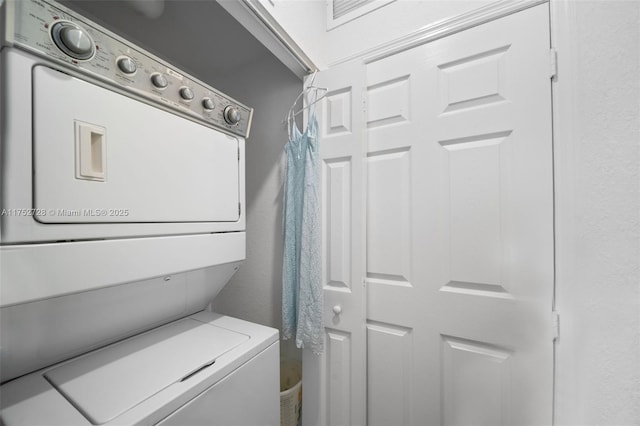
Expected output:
(239, 209)
(555, 325)
(553, 63)
(238, 153)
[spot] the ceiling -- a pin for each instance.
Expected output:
(198, 36)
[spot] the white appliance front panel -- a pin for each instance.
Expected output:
(101, 157)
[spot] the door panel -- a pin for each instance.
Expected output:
(334, 382)
(475, 382)
(339, 367)
(395, 297)
(337, 211)
(388, 224)
(474, 187)
(459, 228)
(389, 353)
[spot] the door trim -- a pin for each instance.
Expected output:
(444, 28)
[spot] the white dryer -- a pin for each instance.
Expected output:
(122, 216)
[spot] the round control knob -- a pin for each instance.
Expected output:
(186, 93)
(72, 40)
(159, 80)
(231, 115)
(127, 65)
(208, 104)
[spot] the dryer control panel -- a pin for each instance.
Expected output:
(56, 33)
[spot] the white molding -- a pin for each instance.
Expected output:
(260, 23)
(443, 28)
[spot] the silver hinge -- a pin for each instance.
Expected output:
(555, 325)
(553, 62)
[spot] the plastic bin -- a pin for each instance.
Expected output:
(290, 393)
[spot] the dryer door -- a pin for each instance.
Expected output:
(101, 157)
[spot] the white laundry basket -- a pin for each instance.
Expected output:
(290, 393)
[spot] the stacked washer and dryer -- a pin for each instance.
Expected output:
(122, 216)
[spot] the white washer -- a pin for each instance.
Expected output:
(123, 215)
(203, 369)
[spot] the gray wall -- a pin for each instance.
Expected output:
(254, 293)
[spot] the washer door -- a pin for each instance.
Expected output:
(101, 157)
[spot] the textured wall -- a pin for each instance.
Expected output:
(598, 230)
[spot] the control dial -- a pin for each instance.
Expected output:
(186, 93)
(159, 80)
(231, 115)
(127, 65)
(72, 40)
(208, 104)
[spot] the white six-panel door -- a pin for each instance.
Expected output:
(335, 382)
(459, 234)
